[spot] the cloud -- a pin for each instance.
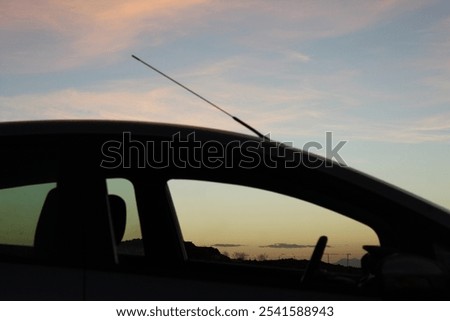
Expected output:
(119, 101)
(67, 34)
(270, 110)
(72, 103)
(226, 245)
(282, 112)
(420, 129)
(297, 56)
(434, 63)
(45, 36)
(288, 246)
(272, 23)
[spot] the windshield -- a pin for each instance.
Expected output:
(365, 82)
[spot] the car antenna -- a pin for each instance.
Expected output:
(204, 99)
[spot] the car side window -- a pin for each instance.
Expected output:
(20, 208)
(238, 223)
(130, 239)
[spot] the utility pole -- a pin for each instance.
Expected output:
(328, 256)
(348, 259)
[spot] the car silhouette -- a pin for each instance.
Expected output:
(63, 231)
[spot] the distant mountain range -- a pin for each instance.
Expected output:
(136, 247)
(351, 262)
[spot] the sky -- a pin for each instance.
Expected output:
(374, 73)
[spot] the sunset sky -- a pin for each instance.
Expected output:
(374, 73)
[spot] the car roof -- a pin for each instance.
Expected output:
(93, 126)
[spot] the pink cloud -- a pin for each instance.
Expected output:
(74, 33)
(77, 32)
